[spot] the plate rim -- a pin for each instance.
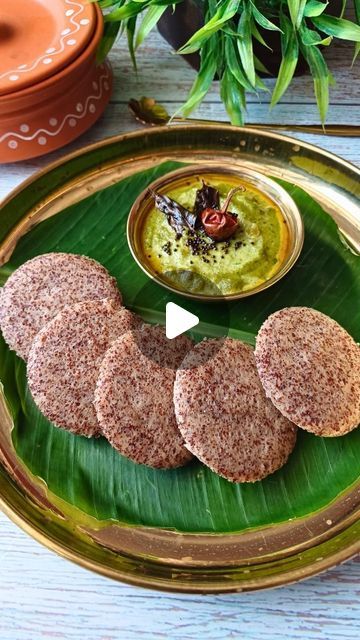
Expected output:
(109, 140)
(146, 581)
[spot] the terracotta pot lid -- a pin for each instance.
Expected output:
(38, 38)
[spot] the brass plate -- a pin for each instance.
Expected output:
(153, 557)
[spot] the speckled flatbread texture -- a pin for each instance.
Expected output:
(65, 359)
(310, 369)
(224, 416)
(42, 287)
(134, 397)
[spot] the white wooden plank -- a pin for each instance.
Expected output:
(165, 75)
(118, 119)
(44, 596)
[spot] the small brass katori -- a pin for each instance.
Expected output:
(182, 178)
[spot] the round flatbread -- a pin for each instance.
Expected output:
(42, 287)
(65, 359)
(310, 369)
(134, 397)
(224, 416)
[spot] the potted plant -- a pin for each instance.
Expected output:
(225, 40)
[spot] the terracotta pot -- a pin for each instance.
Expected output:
(179, 25)
(48, 113)
(38, 38)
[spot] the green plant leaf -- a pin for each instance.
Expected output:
(262, 20)
(130, 33)
(300, 13)
(106, 4)
(233, 97)
(357, 44)
(309, 37)
(259, 84)
(230, 31)
(204, 77)
(257, 35)
(259, 66)
(290, 47)
(224, 13)
(220, 53)
(128, 10)
(314, 8)
(356, 53)
(244, 44)
(111, 31)
(343, 7)
(338, 28)
(294, 8)
(91, 475)
(151, 18)
(320, 73)
(212, 6)
(234, 65)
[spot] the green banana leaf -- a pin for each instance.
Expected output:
(89, 474)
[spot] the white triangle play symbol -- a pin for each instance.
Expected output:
(178, 320)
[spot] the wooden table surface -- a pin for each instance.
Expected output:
(45, 596)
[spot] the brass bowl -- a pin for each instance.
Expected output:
(271, 189)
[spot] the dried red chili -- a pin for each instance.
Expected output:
(220, 224)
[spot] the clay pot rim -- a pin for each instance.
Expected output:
(66, 72)
(61, 24)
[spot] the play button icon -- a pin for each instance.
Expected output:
(157, 307)
(178, 320)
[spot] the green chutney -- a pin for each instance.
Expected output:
(251, 256)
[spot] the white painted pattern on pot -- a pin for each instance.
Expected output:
(12, 138)
(47, 57)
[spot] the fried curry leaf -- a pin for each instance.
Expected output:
(206, 198)
(178, 217)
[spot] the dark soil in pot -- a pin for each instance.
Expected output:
(179, 25)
